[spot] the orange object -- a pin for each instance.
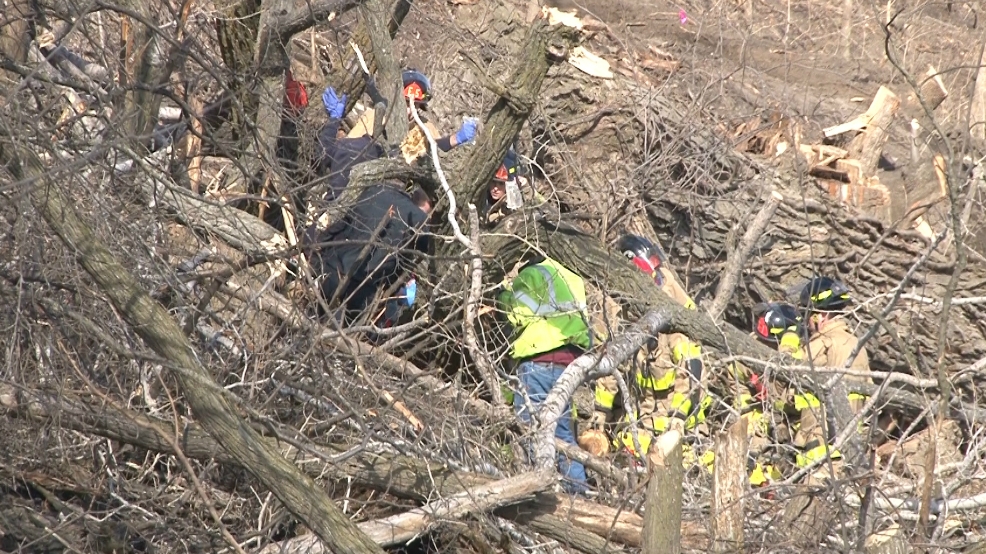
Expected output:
(414, 92)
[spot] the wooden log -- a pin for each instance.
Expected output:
(404, 527)
(867, 147)
(806, 518)
(662, 507)
(933, 90)
(729, 484)
(889, 541)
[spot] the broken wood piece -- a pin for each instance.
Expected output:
(662, 507)
(404, 527)
(558, 17)
(852, 169)
(867, 147)
(729, 480)
(933, 90)
(889, 541)
(589, 63)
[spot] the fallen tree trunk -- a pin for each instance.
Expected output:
(405, 527)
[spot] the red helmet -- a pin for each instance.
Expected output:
(417, 87)
(646, 255)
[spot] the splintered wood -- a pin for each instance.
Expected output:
(849, 174)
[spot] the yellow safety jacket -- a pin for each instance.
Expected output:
(546, 305)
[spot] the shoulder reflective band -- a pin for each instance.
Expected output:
(553, 306)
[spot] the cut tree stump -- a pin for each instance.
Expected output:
(868, 145)
(662, 508)
(888, 541)
(729, 487)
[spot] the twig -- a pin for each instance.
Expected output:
(739, 256)
(479, 356)
(452, 208)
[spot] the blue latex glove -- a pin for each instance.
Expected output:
(467, 132)
(334, 105)
(411, 291)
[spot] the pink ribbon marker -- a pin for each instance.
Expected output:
(682, 16)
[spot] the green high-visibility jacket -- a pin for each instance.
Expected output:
(546, 305)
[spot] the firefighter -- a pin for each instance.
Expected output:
(545, 303)
(830, 343)
(666, 380)
(371, 248)
(417, 89)
(779, 326)
(493, 204)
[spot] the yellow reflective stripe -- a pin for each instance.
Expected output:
(857, 396)
(806, 401)
(758, 476)
(685, 350)
(819, 452)
(790, 342)
(662, 384)
(604, 398)
(626, 440)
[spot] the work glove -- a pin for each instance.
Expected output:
(411, 291)
(467, 132)
(334, 105)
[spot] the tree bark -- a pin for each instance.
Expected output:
(15, 37)
(374, 14)
(662, 507)
(729, 485)
(507, 116)
(155, 326)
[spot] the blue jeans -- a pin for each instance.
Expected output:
(537, 380)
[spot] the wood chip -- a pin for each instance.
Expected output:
(589, 63)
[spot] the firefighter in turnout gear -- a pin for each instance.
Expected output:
(666, 378)
(545, 303)
(780, 326)
(830, 343)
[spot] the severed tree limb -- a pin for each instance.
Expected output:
(374, 15)
(586, 366)
(729, 485)
(156, 327)
(739, 256)
(404, 527)
(662, 508)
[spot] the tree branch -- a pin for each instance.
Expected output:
(155, 326)
(739, 256)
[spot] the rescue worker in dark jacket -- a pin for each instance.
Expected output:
(371, 248)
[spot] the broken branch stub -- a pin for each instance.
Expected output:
(662, 506)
